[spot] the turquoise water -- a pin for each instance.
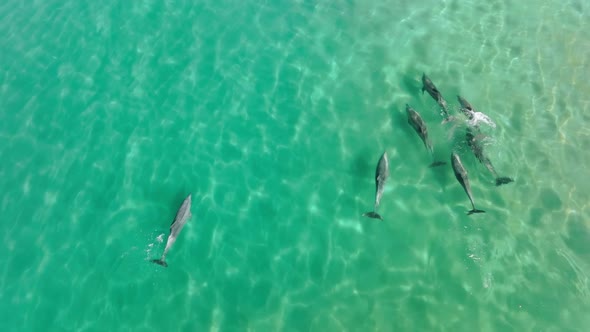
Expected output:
(273, 115)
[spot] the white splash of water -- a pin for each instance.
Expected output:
(160, 238)
(148, 251)
(150, 246)
(479, 117)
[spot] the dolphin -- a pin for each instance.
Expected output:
(477, 149)
(428, 86)
(381, 175)
(466, 107)
(183, 214)
(416, 121)
(461, 175)
(473, 116)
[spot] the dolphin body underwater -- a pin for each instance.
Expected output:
(182, 216)
(433, 91)
(416, 121)
(461, 175)
(477, 149)
(381, 175)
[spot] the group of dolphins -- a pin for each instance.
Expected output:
(382, 171)
(472, 136)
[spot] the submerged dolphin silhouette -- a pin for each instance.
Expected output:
(416, 121)
(381, 175)
(428, 86)
(182, 215)
(461, 175)
(477, 149)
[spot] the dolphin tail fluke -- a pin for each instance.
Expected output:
(373, 214)
(475, 211)
(160, 262)
(437, 163)
(503, 180)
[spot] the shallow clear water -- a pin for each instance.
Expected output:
(273, 115)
